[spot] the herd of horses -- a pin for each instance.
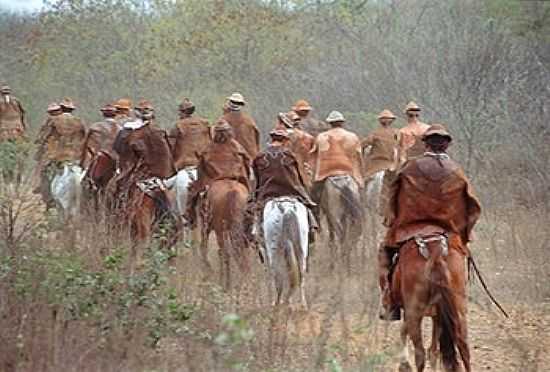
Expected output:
(425, 284)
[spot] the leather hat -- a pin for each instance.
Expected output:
(237, 98)
(335, 116)
(67, 103)
(292, 115)
(222, 126)
(53, 107)
(302, 105)
(412, 106)
(186, 104)
(437, 129)
(386, 114)
(144, 105)
(279, 133)
(124, 104)
(285, 120)
(108, 108)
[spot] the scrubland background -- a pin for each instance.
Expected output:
(67, 299)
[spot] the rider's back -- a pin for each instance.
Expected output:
(66, 134)
(338, 153)
(431, 193)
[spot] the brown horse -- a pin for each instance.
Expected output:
(223, 211)
(102, 168)
(430, 280)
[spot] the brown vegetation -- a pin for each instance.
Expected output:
(68, 300)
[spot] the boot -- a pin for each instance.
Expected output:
(389, 310)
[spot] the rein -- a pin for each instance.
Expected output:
(472, 264)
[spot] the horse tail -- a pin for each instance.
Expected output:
(290, 243)
(447, 312)
(235, 237)
(351, 203)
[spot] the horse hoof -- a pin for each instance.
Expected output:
(405, 367)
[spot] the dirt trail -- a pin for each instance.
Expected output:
(520, 343)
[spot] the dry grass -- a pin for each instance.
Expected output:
(60, 312)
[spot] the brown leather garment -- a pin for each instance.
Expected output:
(278, 173)
(384, 142)
(101, 137)
(429, 194)
(245, 131)
(12, 119)
(228, 160)
(191, 137)
(63, 138)
(313, 126)
(301, 144)
(412, 145)
(144, 150)
(337, 152)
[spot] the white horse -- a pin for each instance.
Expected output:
(67, 191)
(180, 184)
(286, 227)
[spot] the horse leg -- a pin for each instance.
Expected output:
(205, 232)
(414, 330)
(434, 347)
(303, 292)
(404, 365)
(223, 255)
(462, 342)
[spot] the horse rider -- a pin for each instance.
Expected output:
(308, 123)
(336, 152)
(430, 196)
(59, 141)
(190, 136)
(411, 145)
(278, 173)
(12, 116)
(144, 160)
(300, 142)
(382, 151)
(224, 158)
(101, 136)
(244, 127)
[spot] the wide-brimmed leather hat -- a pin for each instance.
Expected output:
(285, 120)
(237, 98)
(222, 126)
(292, 115)
(302, 105)
(108, 108)
(386, 114)
(52, 107)
(279, 133)
(412, 106)
(437, 129)
(124, 104)
(335, 117)
(144, 105)
(186, 104)
(67, 103)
